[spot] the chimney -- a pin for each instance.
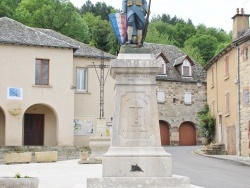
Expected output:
(240, 23)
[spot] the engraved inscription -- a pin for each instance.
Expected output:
(136, 108)
(135, 119)
(136, 78)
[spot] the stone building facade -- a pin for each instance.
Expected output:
(181, 94)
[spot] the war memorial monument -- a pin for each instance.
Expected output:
(135, 157)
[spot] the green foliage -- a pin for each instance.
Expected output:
(18, 175)
(90, 25)
(99, 9)
(207, 124)
(59, 15)
(8, 7)
(205, 44)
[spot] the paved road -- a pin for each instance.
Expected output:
(203, 171)
(208, 172)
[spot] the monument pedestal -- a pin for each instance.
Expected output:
(136, 158)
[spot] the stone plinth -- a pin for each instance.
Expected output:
(11, 158)
(136, 158)
(46, 156)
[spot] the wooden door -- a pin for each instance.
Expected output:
(187, 134)
(165, 136)
(33, 129)
(231, 140)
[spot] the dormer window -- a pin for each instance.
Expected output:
(163, 60)
(186, 69)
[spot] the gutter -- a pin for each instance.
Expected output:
(239, 114)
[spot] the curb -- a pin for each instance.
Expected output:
(238, 161)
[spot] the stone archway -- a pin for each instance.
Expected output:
(187, 134)
(2, 127)
(165, 133)
(40, 126)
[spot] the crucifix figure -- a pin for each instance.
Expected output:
(136, 108)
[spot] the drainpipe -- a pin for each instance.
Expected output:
(239, 114)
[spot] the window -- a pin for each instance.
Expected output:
(213, 107)
(246, 54)
(160, 96)
(227, 103)
(187, 98)
(227, 66)
(42, 72)
(81, 82)
(186, 69)
(212, 83)
(163, 63)
(246, 96)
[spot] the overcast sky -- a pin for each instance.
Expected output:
(212, 13)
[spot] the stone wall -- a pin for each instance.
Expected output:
(64, 152)
(174, 111)
(245, 102)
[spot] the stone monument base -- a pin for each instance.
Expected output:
(139, 182)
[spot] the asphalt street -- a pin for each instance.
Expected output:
(208, 172)
(203, 171)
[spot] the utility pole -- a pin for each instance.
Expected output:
(102, 81)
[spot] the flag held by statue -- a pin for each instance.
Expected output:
(119, 25)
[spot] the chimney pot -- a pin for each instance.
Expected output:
(242, 11)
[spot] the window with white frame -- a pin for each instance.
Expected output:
(186, 69)
(161, 96)
(187, 98)
(81, 79)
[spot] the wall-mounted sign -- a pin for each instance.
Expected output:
(84, 125)
(15, 93)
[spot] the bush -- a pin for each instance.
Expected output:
(207, 124)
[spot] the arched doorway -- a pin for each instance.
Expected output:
(165, 133)
(40, 126)
(187, 134)
(2, 127)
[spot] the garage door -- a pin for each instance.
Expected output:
(187, 134)
(165, 136)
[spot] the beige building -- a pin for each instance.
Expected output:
(228, 89)
(49, 95)
(50, 91)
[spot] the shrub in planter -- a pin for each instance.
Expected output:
(19, 182)
(207, 124)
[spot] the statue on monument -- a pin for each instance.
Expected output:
(137, 15)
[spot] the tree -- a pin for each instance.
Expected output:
(8, 7)
(207, 124)
(206, 44)
(58, 15)
(183, 31)
(99, 35)
(99, 9)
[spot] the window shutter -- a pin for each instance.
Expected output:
(187, 98)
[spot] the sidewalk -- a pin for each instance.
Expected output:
(233, 158)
